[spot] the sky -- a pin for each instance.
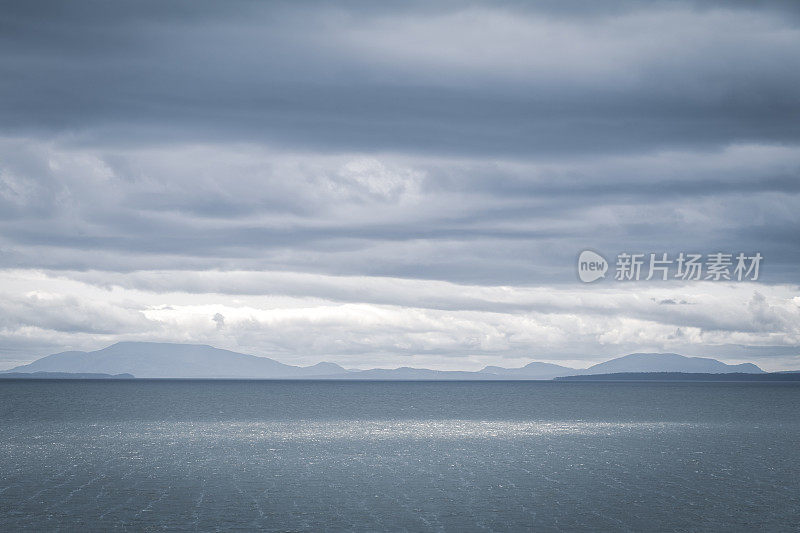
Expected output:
(397, 184)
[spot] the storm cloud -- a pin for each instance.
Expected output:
(280, 150)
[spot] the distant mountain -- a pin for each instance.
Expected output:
(685, 376)
(62, 375)
(668, 362)
(164, 360)
(535, 370)
(411, 374)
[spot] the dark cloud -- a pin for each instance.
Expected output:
(461, 220)
(484, 143)
(343, 78)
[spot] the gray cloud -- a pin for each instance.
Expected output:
(480, 79)
(479, 144)
(367, 321)
(515, 221)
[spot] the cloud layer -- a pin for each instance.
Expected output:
(367, 321)
(379, 184)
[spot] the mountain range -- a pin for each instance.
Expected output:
(165, 360)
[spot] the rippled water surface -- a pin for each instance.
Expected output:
(470, 456)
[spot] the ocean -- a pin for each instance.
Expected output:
(208, 455)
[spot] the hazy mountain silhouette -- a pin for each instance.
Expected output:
(413, 374)
(668, 362)
(61, 375)
(535, 370)
(164, 360)
(685, 376)
(635, 362)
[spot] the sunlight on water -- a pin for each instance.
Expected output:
(186, 456)
(393, 429)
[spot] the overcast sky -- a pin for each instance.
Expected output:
(406, 184)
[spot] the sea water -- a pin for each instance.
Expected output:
(398, 456)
